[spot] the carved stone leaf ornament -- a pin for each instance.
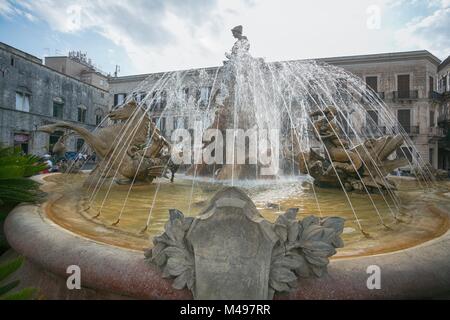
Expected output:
(300, 249)
(172, 253)
(303, 248)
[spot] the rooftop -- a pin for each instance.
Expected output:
(20, 53)
(344, 60)
(444, 63)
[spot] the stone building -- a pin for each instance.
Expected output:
(443, 95)
(195, 91)
(32, 95)
(77, 65)
(406, 81)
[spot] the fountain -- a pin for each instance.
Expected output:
(283, 168)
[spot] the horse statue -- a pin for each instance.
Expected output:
(132, 148)
(361, 168)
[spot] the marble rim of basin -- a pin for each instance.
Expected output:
(417, 272)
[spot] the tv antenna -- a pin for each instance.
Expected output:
(117, 71)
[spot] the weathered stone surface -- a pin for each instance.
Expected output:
(50, 249)
(104, 268)
(28, 75)
(231, 252)
(233, 248)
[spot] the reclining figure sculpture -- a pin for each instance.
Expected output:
(133, 148)
(359, 168)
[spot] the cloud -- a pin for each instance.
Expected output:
(8, 10)
(430, 31)
(145, 29)
(162, 35)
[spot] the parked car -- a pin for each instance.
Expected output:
(71, 155)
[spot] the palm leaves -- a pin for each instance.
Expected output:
(14, 170)
(6, 270)
(15, 187)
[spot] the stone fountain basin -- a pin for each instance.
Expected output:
(110, 272)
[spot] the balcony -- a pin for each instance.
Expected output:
(435, 96)
(374, 131)
(411, 130)
(443, 120)
(406, 95)
(436, 132)
(368, 98)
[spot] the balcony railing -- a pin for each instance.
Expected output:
(436, 132)
(406, 95)
(443, 119)
(411, 130)
(374, 131)
(380, 95)
(368, 98)
(433, 95)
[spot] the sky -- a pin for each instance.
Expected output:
(144, 36)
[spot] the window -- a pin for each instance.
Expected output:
(204, 95)
(185, 94)
(343, 120)
(22, 102)
(431, 84)
(160, 123)
(404, 153)
(163, 99)
(80, 144)
(58, 109)
(98, 116)
(432, 123)
(403, 86)
(404, 118)
(372, 118)
(158, 100)
(13, 62)
(22, 140)
(53, 139)
(154, 100)
(119, 99)
(430, 155)
(139, 96)
(82, 114)
(372, 82)
(180, 123)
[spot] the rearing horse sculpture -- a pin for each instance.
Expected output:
(134, 147)
(363, 167)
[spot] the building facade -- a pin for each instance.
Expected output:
(32, 95)
(414, 85)
(196, 93)
(409, 83)
(443, 95)
(78, 66)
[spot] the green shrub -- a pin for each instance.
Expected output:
(6, 293)
(15, 168)
(16, 187)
